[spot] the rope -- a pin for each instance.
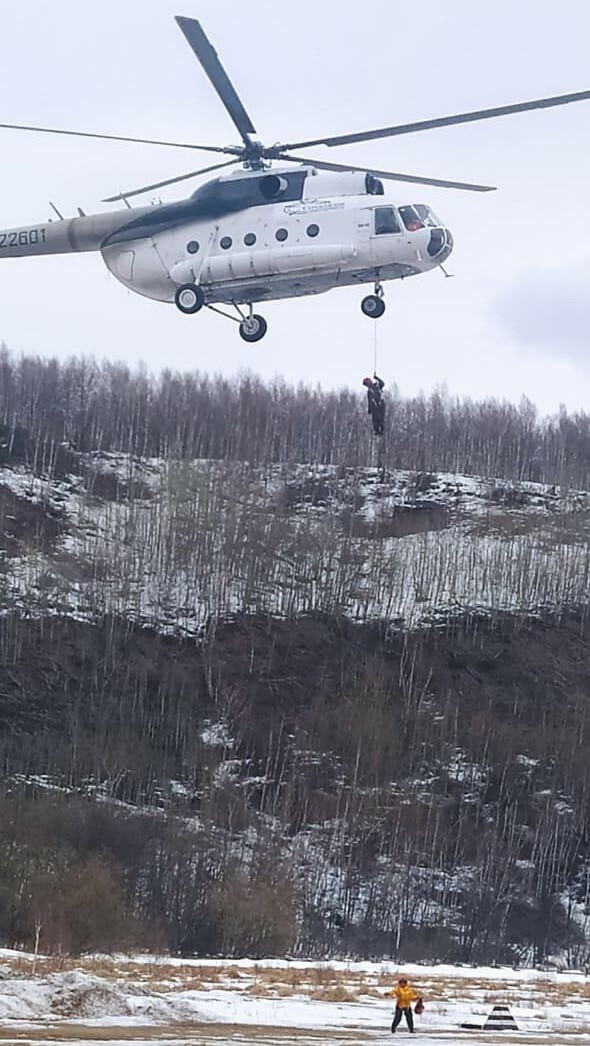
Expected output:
(375, 325)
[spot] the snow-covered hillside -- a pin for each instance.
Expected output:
(296, 782)
(173, 543)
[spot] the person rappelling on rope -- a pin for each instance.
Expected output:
(376, 403)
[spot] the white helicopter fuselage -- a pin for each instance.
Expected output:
(278, 249)
(253, 236)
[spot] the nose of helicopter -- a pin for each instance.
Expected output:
(440, 244)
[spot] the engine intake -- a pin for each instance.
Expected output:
(272, 186)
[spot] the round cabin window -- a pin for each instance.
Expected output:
(313, 230)
(249, 239)
(192, 247)
(225, 243)
(281, 235)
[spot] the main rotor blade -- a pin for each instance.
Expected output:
(394, 176)
(168, 181)
(443, 121)
(209, 60)
(236, 151)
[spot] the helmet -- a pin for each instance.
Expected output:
(367, 381)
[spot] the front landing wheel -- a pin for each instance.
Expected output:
(253, 328)
(373, 306)
(189, 298)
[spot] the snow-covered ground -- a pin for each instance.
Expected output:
(172, 1001)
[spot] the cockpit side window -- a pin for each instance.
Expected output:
(386, 221)
(411, 219)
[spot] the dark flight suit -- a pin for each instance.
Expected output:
(376, 405)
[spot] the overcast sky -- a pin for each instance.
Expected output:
(515, 319)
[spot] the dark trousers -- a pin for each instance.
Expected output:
(378, 418)
(399, 1013)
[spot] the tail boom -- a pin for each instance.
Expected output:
(68, 236)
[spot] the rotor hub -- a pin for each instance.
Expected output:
(254, 153)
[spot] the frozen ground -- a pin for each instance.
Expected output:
(144, 1000)
(221, 1036)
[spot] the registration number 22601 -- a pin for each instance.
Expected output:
(25, 238)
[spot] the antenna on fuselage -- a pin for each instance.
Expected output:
(54, 208)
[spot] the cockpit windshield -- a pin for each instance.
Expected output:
(427, 215)
(411, 219)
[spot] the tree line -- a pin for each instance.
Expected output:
(109, 406)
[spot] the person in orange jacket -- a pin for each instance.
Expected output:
(404, 997)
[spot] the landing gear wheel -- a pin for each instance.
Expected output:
(373, 306)
(253, 328)
(189, 298)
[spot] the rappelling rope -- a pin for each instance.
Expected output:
(375, 326)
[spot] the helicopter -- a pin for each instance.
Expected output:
(268, 229)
